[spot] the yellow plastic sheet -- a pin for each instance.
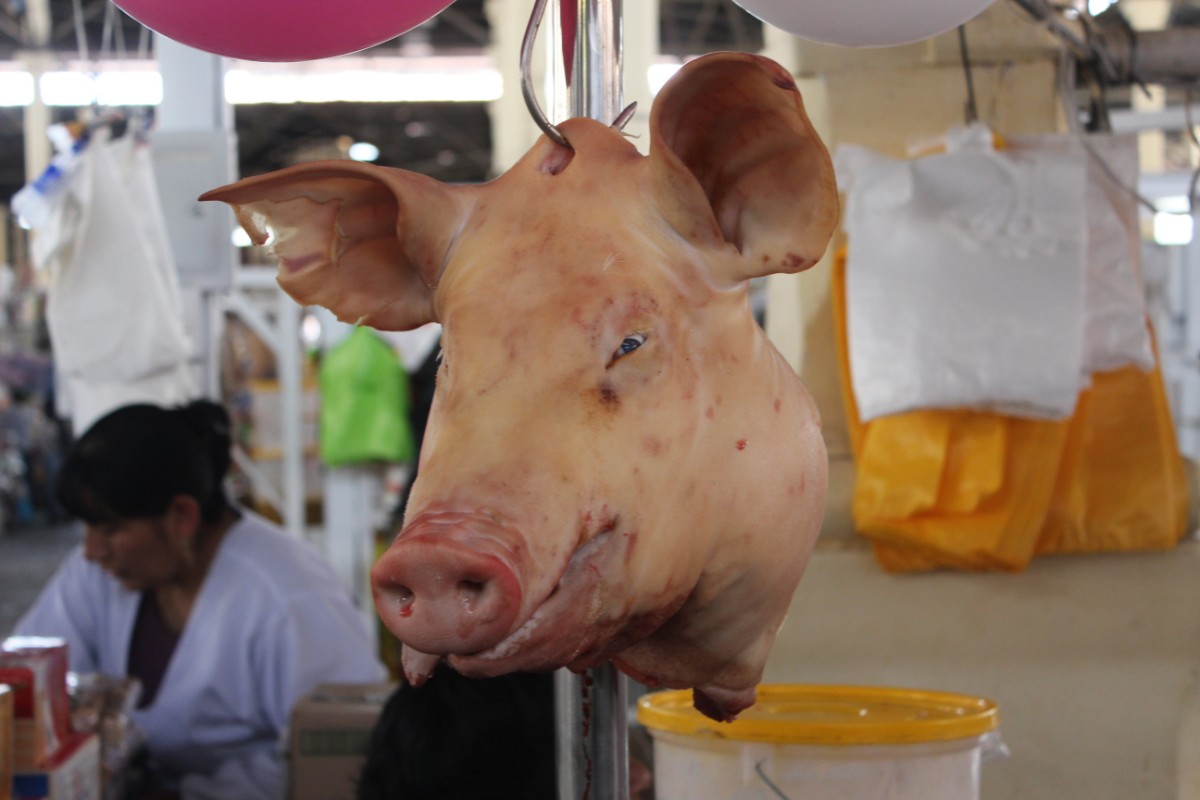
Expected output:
(982, 491)
(1121, 483)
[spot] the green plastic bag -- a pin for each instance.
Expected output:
(364, 402)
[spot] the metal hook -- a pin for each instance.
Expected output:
(623, 118)
(543, 122)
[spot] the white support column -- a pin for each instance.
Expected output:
(288, 367)
(352, 497)
(781, 46)
(513, 130)
(195, 150)
(275, 319)
(193, 89)
(640, 53)
(1149, 15)
(37, 115)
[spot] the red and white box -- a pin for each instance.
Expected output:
(36, 669)
(72, 774)
(6, 741)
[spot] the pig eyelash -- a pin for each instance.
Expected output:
(630, 343)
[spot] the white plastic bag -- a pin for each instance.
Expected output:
(114, 308)
(1115, 327)
(965, 279)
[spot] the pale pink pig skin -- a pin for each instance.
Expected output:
(618, 464)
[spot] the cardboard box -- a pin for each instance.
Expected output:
(72, 774)
(28, 747)
(331, 728)
(6, 741)
(36, 668)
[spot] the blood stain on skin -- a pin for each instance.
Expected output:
(609, 397)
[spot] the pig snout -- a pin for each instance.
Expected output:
(443, 596)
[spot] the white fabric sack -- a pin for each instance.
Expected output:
(1115, 322)
(86, 401)
(965, 279)
(114, 309)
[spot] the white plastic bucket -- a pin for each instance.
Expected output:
(822, 743)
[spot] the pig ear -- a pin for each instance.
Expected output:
(735, 123)
(366, 242)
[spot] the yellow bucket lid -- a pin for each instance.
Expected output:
(829, 715)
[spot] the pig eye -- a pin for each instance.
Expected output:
(630, 343)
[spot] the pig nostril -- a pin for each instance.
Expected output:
(403, 598)
(441, 597)
(470, 592)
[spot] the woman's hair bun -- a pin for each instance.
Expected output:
(211, 422)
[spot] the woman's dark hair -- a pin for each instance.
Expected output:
(134, 460)
(459, 738)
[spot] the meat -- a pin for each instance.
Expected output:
(618, 464)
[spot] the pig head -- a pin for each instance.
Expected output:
(618, 464)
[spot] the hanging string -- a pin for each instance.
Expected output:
(106, 32)
(972, 110)
(143, 44)
(112, 40)
(1191, 132)
(80, 30)
(1069, 59)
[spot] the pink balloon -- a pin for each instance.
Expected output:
(281, 30)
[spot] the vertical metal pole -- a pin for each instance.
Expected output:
(593, 735)
(610, 732)
(289, 358)
(596, 89)
(571, 751)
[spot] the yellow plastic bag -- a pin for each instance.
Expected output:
(1121, 483)
(977, 490)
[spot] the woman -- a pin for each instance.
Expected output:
(225, 619)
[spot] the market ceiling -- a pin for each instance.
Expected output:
(449, 141)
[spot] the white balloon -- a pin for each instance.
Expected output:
(865, 23)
